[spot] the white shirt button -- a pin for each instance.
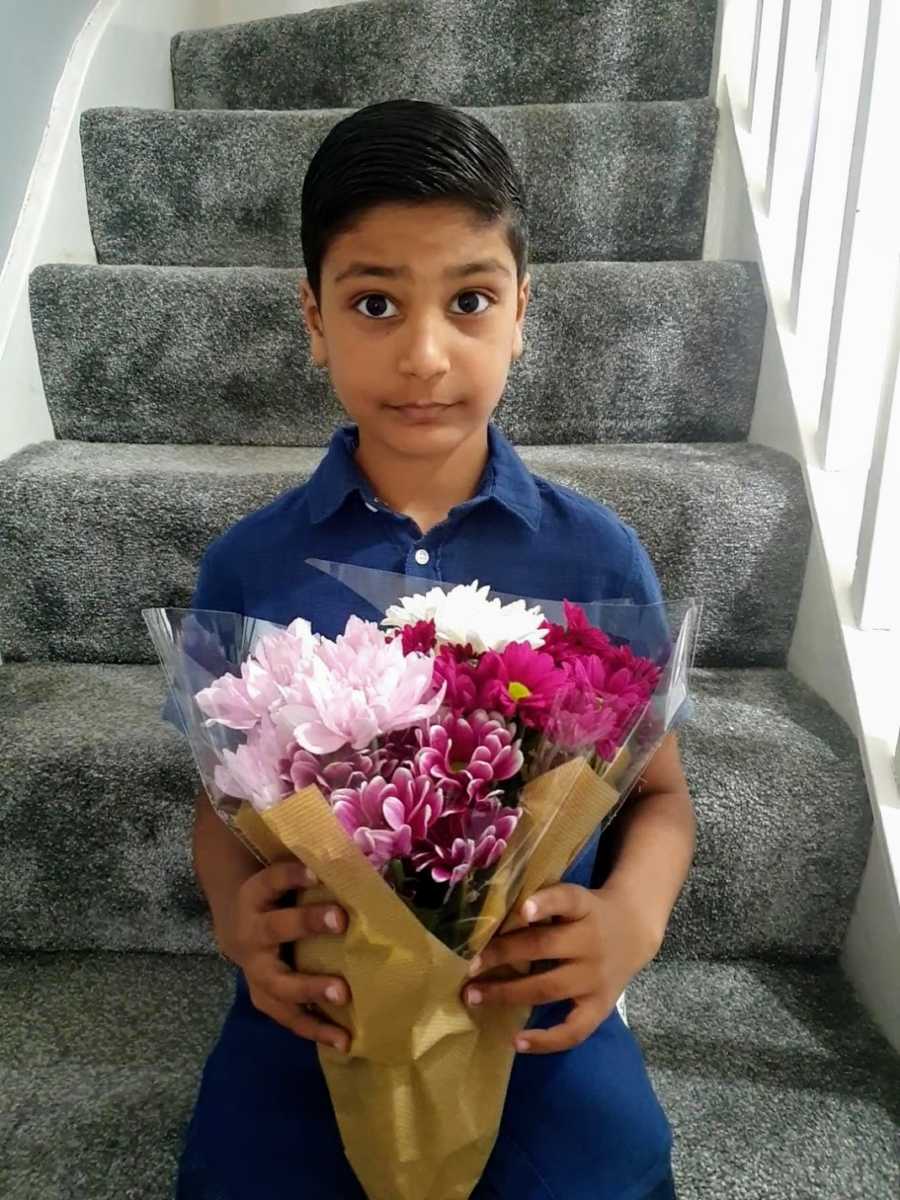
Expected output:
(422, 557)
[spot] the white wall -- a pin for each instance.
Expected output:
(35, 39)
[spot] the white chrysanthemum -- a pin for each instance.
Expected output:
(464, 616)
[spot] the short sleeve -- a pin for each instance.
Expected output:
(217, 587)
(644, 588)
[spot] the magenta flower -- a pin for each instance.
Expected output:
(580, 719)
(459, 676)
(419, 636)
(603, 698)
(578, 639)
(519, 682)
(467, 755)
(384, 819)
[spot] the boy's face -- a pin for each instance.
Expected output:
(423, 336)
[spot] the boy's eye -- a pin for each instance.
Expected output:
(382, 299)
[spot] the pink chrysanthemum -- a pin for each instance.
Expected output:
(466, 756)
(385, 819)
(469, 840)
(348, 768)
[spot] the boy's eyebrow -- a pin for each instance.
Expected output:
(469, 268)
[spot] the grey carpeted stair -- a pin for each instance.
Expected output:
(774, 1079)
(462, 53)
(92, 533)
(178, 382)
(774, 774)
(644, 352)
(223, 188)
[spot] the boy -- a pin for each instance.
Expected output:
(415, 245)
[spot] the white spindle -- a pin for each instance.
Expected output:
(777, 98)
(760, 117)
(876, 582)
(809, 166)
(754, 62)
(793, 116)
(842, 44)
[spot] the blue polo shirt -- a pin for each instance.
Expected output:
(578, 1124)
(519, 533)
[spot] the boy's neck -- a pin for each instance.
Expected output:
(423, 488)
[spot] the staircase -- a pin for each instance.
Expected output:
(178, 380)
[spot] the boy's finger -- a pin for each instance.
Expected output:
(559, 984)
(268, 886)
(584, 1017)
(522, 946)
(567, 900)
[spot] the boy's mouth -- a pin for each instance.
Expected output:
(421, 412)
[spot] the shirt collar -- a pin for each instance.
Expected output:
(506, 479)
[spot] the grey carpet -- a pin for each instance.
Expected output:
(775, 1082)
(91, 533)
(467, 52)
(625, 352)
(223, 188)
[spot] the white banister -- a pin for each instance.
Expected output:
(777, 97)
(809, 161)
(876, 580)
(754, 62)
(860, 325)
(760, 116)
(842, 46)
(790, 142)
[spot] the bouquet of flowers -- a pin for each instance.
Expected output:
(433, 769)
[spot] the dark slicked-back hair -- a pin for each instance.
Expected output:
(408, 151)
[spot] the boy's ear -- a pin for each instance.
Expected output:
(521, 306)
(313, 320)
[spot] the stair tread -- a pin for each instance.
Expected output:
(222, 187)
(774, 773)
(663, 351)
(450, 54)
(775, 1080)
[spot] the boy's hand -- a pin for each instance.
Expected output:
(257, 927)
(603, 940)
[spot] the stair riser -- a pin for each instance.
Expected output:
(464, 53)
(91, 534)
(224, 188)
(615, 352)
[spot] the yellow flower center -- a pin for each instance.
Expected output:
(518, 691)
(457, 765)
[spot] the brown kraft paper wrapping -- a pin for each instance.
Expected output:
(419, 1096)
